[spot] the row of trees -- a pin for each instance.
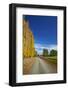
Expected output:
(52, 52)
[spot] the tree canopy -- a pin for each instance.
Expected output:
(53, 52)
(45, 52)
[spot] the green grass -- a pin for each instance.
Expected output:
(52, 58)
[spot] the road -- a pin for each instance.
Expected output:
(43, 67)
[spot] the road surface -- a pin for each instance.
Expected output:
(43, 66)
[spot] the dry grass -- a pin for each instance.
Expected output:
(27, 65)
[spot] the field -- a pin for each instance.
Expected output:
(52, 58)
(27, 65)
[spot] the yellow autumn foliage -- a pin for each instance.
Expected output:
(28, 41)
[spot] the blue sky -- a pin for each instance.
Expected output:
(44, 29)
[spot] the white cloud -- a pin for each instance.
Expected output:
(39, 51)
(39, 47)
